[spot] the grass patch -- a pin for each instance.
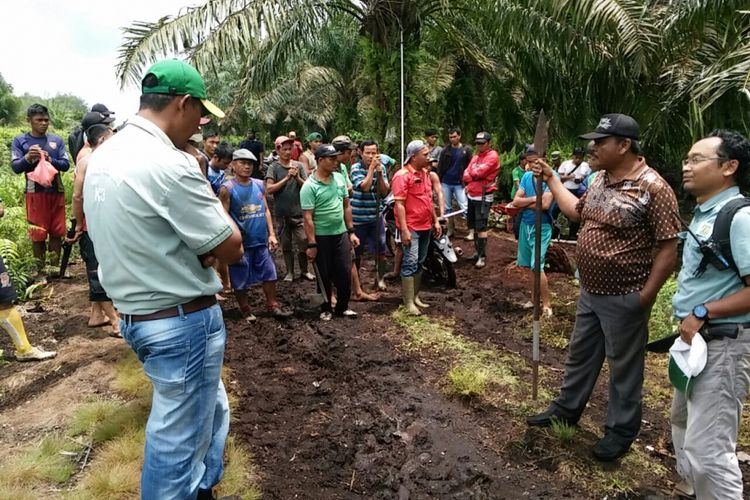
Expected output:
(52, 460)
(116, 431)
(116, 472)
(468, 380)
(657, 391)
(743, 439)
(476, 369)
(130, 379)
(240, 476)
(562, 431)
(92, 414)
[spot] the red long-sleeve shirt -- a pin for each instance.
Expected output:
(481, 172)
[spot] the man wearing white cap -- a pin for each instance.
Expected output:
(713, 301)
(244, 199)
(415, 218)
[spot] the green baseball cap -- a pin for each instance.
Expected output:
(175, 77)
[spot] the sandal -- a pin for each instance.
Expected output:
(249, 317)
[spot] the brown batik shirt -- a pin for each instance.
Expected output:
(621, 224)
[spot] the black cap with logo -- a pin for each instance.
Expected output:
(482, 137)
(614, 124)
(325, 150)
(95, 118)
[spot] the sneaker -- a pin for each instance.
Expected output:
(611, 447)
(347, 314)
(309, 276)
(545, 419)
(527, 305)
(381, 285)
(480, 263)
(684, 489)
(546, 312)
(289, 277)
(278, 312)
(36, 354)
(326, 316)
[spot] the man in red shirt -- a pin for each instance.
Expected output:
(297, 147)
(479, 178)
(415, 217)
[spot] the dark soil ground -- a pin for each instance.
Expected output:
(340, 410)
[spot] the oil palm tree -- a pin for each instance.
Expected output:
(270, 38)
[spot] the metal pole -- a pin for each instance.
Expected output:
(402, 95)
(537, 287)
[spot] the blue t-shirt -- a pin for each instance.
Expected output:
(215, 178)
(452, 176)
(528, 186)
(248, 209)
(53, 145)
(364, 203)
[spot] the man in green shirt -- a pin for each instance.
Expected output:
(329, 229)
(516, 174)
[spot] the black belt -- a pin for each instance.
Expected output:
(188, 307)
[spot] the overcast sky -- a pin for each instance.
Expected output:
(71, 46)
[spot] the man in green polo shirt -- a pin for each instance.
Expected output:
(328, 226)
(157, 228)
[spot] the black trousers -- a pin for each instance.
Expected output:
(96, 291)
(334, 262)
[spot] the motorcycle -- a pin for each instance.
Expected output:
(438, 267)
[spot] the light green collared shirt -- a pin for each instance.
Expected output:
(713, 284)
(151, 213)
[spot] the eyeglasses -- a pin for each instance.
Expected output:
(694, 160)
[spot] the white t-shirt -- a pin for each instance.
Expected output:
(580, 173)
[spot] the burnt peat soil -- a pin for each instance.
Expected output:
(354, 409)
(345, 409)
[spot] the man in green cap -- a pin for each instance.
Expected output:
(308, 157)
(157, 228)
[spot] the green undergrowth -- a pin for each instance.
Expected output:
(101, 452)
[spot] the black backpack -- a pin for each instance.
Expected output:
(75, 143)
(718, 249)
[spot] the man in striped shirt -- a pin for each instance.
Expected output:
(370, 185)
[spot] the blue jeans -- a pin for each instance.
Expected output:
(416, 253)
(189, 419)
(451, 191)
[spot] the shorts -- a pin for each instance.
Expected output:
(478, 214)
(256, 266)
(46, 213)
(8, 293)
(526, 240)
(369, 233)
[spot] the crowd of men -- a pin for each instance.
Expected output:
(165, 228)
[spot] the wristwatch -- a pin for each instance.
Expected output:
(700, 312)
